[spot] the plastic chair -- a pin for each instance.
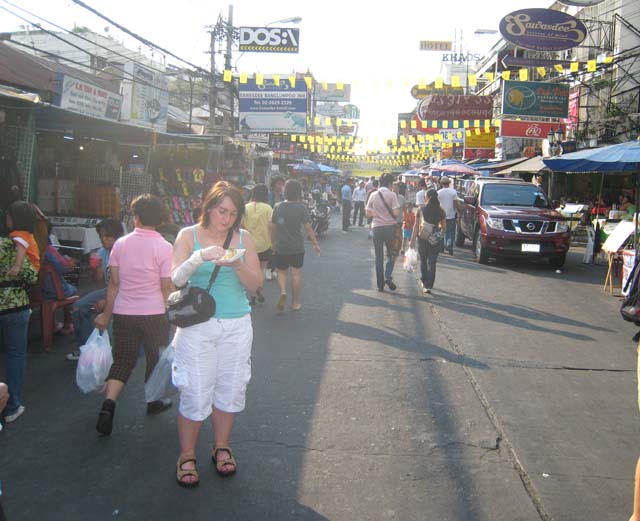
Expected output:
(48, 307)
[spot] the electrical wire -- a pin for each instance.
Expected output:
(137, 36)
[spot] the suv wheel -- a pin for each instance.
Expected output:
(557, 261)
(481, 252)
(459, 236)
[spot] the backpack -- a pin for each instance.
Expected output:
(630, 309)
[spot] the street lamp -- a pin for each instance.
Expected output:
(555, 139)
(291, 20)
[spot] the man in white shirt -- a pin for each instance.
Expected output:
(359, 197)
(448, 198)
(421, 193)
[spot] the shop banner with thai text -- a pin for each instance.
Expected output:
(272, 107)
(481, 140)
(535, 98)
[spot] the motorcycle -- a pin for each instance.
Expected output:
(320, 215)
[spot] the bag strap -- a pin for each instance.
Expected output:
(386, 205)
(227, 241)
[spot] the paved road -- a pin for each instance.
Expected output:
(507, 395)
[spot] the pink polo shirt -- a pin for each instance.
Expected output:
(142, 257)
(381, 215)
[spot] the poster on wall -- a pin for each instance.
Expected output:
(272, 107)
(535, 98)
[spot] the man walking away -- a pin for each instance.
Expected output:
(345, 195)
(369, 185)
(359, 196)
(448, 198)
(383, 207)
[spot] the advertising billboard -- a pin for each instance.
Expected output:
(480, 146)
(272, 108)
(535, 98)
(332, 92)
(146, 99)
(542, 30)
(269, 39)
(441, 107)
(88, 99)
(528, 129)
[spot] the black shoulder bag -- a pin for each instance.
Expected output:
(192, 305)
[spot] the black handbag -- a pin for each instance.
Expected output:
(192, 305)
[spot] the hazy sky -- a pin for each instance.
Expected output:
(374, 47)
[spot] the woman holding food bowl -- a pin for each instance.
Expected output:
(212, 364)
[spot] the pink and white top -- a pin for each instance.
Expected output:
(142, 257)
(381, 215)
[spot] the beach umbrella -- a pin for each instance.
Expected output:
(451, 166)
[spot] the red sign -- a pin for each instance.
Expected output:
(528, 129)
(441, 107)
(479, 153)
(574, 110)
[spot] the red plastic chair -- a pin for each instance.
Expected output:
(48, 307)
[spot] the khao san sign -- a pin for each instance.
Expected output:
(542, 30)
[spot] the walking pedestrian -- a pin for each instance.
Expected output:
(14, 323)
(408, 221)
(359, 196)
(139, 284)
(428, 229)
(212, 364)
(398, 237)
(374, 188)
(383, 208)
(345, 198)
(256, 220)
(288, 220)
(109, 230)
(421, 193)
(448, 198)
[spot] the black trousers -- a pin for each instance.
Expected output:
(358, 208)
(428, 260)
(346, 214)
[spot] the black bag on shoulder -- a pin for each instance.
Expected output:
(630, 309)
(192, 305)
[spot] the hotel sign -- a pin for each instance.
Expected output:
(542, 30)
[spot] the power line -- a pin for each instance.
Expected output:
(137, 36)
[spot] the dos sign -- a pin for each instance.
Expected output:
(269, 39)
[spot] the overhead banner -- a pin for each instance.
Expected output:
(87, 99)
(438, 106)
(528, 129)
(272, 108)
(542, 30)
(535, 98)
(269, 39)
(331, 92)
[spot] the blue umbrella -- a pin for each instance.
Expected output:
(624, 157)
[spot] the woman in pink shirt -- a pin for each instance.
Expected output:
(139, 285)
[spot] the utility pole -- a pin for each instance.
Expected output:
(213, 90)
(227, 65)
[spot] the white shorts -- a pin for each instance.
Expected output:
(212, 366)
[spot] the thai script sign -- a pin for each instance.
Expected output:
(429, 45)
(88, 99)
(482, 140)
(542, 29)
(535, 98)
(269, 39)
(421, 92)
(272, 108)
(440, 107)
(528, 129)
(332, 92)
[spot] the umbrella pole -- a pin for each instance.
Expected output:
(637, 201)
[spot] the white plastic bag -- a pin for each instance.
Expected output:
(159, 385)
(94, 363)
(410, 260)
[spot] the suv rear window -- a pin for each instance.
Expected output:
(508, 194)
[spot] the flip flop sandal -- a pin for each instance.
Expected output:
(281, 303)
(182, 473)
(220, 463)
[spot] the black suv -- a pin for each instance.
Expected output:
(506, 217)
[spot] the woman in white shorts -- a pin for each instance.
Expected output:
(212, 365)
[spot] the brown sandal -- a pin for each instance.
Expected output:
(220, 463)
(182, 473)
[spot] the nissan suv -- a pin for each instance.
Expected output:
(506, 217)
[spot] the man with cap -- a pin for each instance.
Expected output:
(448, 198)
